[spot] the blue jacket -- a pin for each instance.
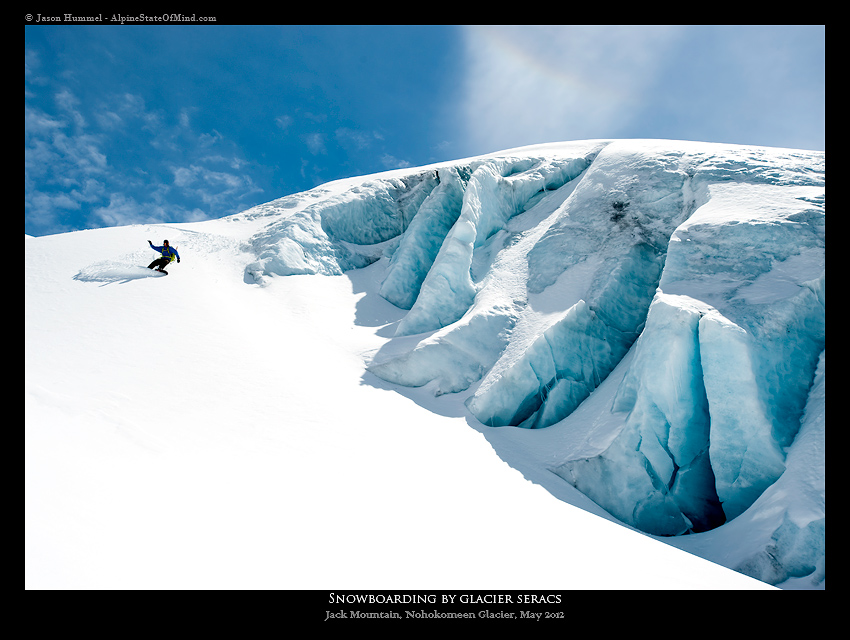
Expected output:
(166, 252)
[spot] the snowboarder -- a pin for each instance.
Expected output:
(168, 252)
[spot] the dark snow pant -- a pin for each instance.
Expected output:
(159, 263)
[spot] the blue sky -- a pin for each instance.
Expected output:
(143, 124)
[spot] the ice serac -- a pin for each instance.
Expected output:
(793, 538)
(723, 368)
(641, 322)
(746, 459)
(418, 249)
(338, 232)
(764, 245)
(610, 238)
(572, 356)
(497, 190)
(657, 475)
(476, 285)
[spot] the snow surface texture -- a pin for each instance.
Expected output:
(193, 432)
(635, 326)
(529, 276)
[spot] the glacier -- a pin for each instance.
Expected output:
(637, 327)
(656, 307)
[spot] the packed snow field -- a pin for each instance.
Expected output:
(635, 327)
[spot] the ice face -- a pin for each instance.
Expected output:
(746, 459)
(617, 219)
(665, 442)
(569, 360)
(703, 384)
(338, 232)
(721, 278)
(529, 278)
(796, 548)
(415, 255)
(496, 192)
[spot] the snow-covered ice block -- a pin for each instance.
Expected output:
(417, 250)
(664, 444)
(334, 233)
(497, 191)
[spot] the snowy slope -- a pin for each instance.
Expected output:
(218, 427)
(192, 431)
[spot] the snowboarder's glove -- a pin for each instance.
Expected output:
(150, 243)
(178, 260)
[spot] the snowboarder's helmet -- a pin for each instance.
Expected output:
(165, 242)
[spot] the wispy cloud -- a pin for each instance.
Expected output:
(744, 84)
(527, 84)
(284, 122)
(315, 143)
(124, 210)
(118, 162)
(391, 162)
(213, 188)
(353, 138)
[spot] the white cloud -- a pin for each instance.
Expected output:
(101, 152)
(132, 104)
(213, 188)
(39, 124)
(109, 120)
(183, 176)
(82, 151)
(353, 138)
(68, 103)
(315, 143)
(100, 170)
(123, 210)
(391, 162)
(528, 84)
(209, 139)
(32, 62)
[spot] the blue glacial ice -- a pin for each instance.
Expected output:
(747, 330)
(613, 229)
(337, 231)
(418, 248)
(695, 271)
(497, 191)
(667, 484)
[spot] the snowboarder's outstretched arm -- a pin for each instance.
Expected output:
(165, 251)
(168, 250)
